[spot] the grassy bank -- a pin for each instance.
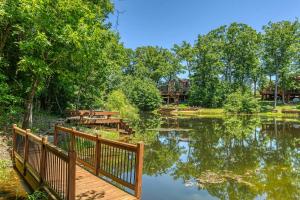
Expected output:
(267, 111)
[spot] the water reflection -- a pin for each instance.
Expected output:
(230, 158)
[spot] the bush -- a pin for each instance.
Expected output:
(266, 108)
(239, 102)
(117, 101)
(143, 93)
(37, 195)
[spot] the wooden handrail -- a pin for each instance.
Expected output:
(73, 131)
(19, 130)
(92, 113)
(99, 154)
(40, 160)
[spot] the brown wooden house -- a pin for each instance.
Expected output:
(268, 92)
(175, 91)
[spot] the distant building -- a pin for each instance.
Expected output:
(268, 92)
(175, 91)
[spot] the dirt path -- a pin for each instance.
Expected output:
(11, 186)
(4, 148)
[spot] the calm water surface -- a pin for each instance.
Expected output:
(228, 158)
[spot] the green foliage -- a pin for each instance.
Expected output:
(58, 54)
(143, 93)
(226, 59)
(37, 195)
(117, 101)
(185, 53)
(4, 170)
(239, 102)
(236, 57)
(156, 63)
(206, 88)
(280, 49)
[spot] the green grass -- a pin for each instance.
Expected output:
(108, 134)
(5, 170)
(267, 110)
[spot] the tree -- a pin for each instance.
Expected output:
(117, 101)
(155, 63)
(57, 38)
(143, 93)
(206, 87)
(185, 53)
(241, 56)
(280, 40)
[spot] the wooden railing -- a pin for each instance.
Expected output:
(117, 162)
(123, 125)
(44, 164)
(95, 118)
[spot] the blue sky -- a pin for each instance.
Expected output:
(166, 22)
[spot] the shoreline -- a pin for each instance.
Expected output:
(219, 113)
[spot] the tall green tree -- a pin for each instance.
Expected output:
(241, 55)
(156, 63)
(280, 41)
(206, 87)
(185, 53)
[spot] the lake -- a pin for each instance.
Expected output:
(221, 158)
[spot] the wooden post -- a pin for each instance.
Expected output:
(71, 174)
(72, 167)
(139, 170)
(14, 143)
(43, 162)
(98, 155)
(118, 126)
(72, 140)
(55, 135)
(26, 146)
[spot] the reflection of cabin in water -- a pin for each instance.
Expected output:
(175, 91)
(268, 92)
(281, 128)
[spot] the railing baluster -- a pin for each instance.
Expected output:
(26, 150)
(98, 155)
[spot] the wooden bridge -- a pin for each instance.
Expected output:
(100, 118)
(78, 165)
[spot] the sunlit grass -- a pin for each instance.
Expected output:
(269, 111)
(108, 134)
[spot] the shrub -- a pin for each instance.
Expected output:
(37, 195)
(266, 108)
(143, 93)
(239, 102)
(117, 101)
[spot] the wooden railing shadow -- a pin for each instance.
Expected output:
(53, 166)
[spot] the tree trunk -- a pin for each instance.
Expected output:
(276, 90)
(27, 120)
(254, 88)
(283, 96)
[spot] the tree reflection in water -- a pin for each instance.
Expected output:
(254, 157)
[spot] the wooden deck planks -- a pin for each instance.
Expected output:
(89, 187)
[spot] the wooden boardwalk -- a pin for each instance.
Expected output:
(73, 173)
(89, 187)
